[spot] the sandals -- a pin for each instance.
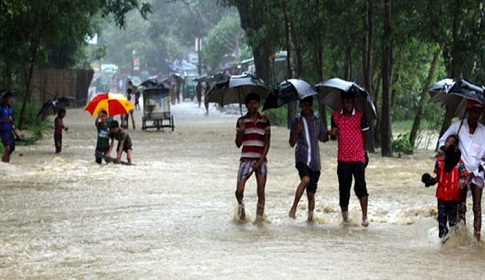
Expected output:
(365, 222)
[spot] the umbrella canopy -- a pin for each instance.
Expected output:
(219, 77)
(52, 106)
(466, 89)
(150, 83)
(330, 91)
(203, 78)
(236, 88)
(177, 77)
(452, 94)
(287, 91)
(3, 92)
(113, 103)
(13, 93)
(154, 84)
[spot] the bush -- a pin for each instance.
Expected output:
(30, 123)
(278, 116)
(401, 144)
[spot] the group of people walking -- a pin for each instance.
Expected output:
(349, 127)
(459, 169)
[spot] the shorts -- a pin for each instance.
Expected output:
(99, 154)
(246, 169)
(304, 170)
(479, 180)
(8, 140)
(126, 147)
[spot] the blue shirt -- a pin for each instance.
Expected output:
(5, 112)
(307, 150)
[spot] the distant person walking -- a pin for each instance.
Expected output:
(130, 95)
(58, 128)
(253, 133)
(7, 126)
(206, 97)
(199, 88)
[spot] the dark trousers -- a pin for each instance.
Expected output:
(446, 214)
(100, 154)
(346, 171)
(58, 142)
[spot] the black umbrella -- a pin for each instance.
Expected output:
(453, 94)
(236, 88)
(150, 83)
(12, 92)
(220, 77)
(330, 91)
(203, 78)
(3, 92)
(466, 89)
(287, 91)
(52, 106)
(177, 77)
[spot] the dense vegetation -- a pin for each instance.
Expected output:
(394, 48)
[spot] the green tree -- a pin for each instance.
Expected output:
(167, 35)
(224, 38)
(31, 27)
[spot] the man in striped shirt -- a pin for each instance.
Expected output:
(306, 130)
(253, 133)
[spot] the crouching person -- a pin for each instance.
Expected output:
(124, 142)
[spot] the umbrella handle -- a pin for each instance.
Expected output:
(461, 123)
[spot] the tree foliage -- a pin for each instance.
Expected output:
(49, 33)
(221, 40)
(323, 39)
(168, 34)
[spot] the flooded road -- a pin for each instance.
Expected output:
(171, 215)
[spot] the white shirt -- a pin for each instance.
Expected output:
(472, 146)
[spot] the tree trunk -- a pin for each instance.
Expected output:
(319, 68)
(322, 110)
(386, 131)
(424, 98)
(348, 63)
(456, 69)
(292, 106)
(248, 22)
(368, 66)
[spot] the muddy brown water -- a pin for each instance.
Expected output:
(172, 215)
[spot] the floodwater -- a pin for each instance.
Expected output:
(172, 214)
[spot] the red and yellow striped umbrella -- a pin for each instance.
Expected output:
(113, 103)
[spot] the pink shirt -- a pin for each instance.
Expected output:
(350, 139)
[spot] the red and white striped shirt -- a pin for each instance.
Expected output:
(254, 136)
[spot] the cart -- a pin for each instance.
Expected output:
(156, 108)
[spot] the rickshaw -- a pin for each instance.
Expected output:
(156, 106)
